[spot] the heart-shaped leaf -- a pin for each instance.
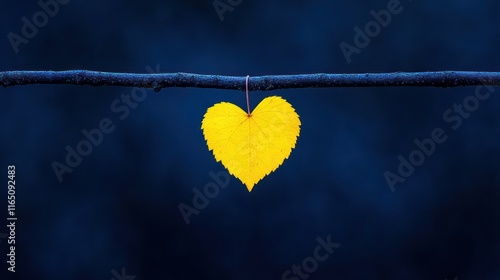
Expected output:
(251, 146)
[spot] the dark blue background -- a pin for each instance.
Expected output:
(119, 207)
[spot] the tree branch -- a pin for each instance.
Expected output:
(264, 83)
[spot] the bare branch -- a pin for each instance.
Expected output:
(264, 83)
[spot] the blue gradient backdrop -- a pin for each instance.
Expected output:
(119, 207)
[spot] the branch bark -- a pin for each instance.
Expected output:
(264, 83)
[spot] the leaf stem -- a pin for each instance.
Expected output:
(248, 99)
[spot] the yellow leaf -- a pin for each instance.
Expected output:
(251, 146)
